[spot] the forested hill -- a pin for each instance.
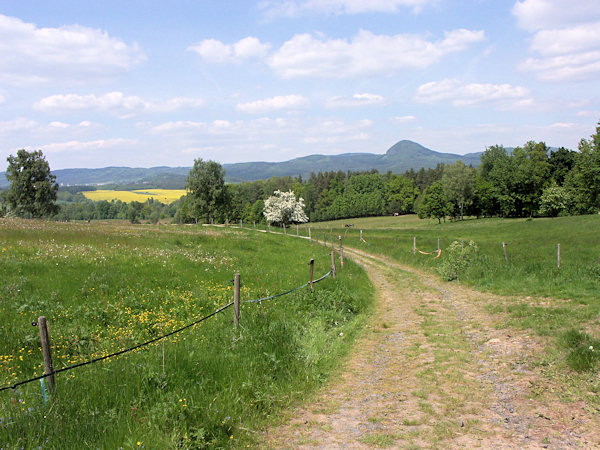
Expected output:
(401, 157)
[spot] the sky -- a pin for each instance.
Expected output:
(145, 83)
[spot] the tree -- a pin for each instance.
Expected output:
(561, 162)
(584, 178)
(32, 191)
(531, 174)
(555, 199)
(283, 208)
(434, 203)
(206, 190)
(401, 194)
(497, 170)
(459, 185)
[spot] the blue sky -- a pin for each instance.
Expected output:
(145, 83)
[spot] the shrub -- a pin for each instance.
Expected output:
(458, 256)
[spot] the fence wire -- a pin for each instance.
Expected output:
(135, 347)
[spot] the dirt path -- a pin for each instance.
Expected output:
(433, 370)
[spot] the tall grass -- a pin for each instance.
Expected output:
(531, 246)
(107, 286)
(541, 297)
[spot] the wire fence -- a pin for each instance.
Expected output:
(151, 341)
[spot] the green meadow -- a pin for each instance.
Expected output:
(562, 303)
(107, 286)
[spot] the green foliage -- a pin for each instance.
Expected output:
(401, 195)
(207, 193)
(32, 191)
(584, 179)
(456, 259)
(554, 200)
(434, 203)
(459, 186)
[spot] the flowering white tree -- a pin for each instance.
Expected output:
(282, 207)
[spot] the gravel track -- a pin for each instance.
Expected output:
(433, 369)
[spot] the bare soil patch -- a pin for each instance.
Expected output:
(435, 369)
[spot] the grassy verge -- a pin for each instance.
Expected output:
(107, 286)
(562, 303)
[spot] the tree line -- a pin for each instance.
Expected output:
(526, 181)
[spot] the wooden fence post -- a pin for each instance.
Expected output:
(341, 252)
(254, 225)
(269, 227)
(312, 271)
(558, 255)
(414, 246)
(333, 263)
(297, 231)
(236, 300)
(505, 252)
(241, 224)
(284, 230)
(45, 340)
(309, 235)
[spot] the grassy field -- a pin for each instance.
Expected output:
(107, 286)
(165, 196)
(563, 303)
(531, 247)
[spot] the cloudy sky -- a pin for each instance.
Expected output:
(151, 82)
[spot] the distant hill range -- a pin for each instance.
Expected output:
(402, 156)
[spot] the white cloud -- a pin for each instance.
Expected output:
(588, 113)
(214, 51)
(354, 100)
(322, 129)
(403, 119)
(274, 104)
(580, 38)
(113, 102)
(294, 8)
(533, 15)
(573, 67)
(503, 96)
(85, 146)
(63, 125)
(567, 54)
(566, 39)
(366, 54)
(33, 55)
(337, 139)
(18, 124)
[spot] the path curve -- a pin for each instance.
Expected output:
(433, 369)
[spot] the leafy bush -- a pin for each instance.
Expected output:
(458, 256)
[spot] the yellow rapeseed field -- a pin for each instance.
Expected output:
(141, 195)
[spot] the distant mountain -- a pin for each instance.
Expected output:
(399, 158)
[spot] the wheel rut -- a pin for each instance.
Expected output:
(433, 369)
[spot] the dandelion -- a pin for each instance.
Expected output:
(591, 347)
